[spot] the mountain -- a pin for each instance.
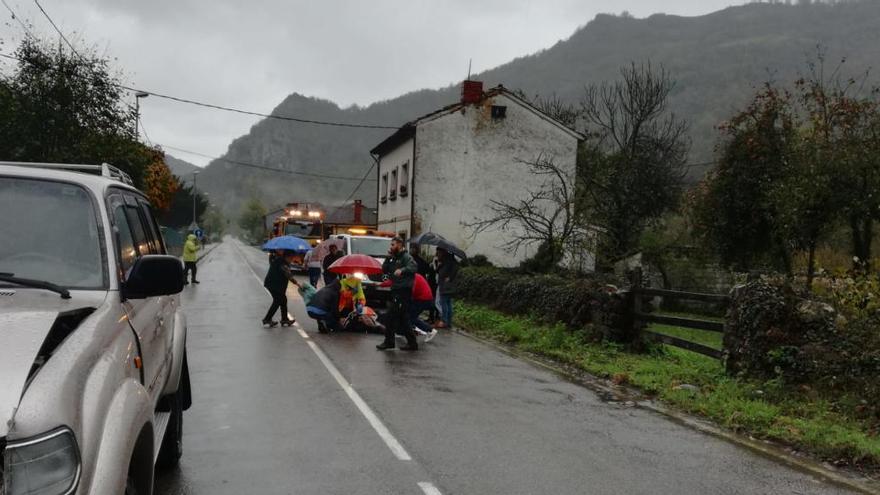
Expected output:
(717, 61)
(181, 168)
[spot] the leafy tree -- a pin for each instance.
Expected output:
(180, 213)
(791, 169)
(634, 163)
(160, 185)
(734, 209)
(214, 222)
(856, 146)
(60, 107)
(252, 219)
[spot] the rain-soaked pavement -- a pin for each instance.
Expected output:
(271, 417)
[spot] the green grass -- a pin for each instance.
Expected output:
(707, 338)
(762, 410)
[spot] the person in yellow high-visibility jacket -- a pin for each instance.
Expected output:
(190, 256)
(351, 295)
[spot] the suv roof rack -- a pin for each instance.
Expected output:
(105, 169)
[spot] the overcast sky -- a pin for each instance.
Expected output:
(252, 54)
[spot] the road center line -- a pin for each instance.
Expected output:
(429, 488)
(392, 443)
(380, 428)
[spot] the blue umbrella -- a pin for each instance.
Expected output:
(288, 243)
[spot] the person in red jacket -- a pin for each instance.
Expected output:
(422, 300)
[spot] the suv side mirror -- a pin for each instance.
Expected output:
(154, 275)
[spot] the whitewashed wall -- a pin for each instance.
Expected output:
(465, 159)
(395, 214)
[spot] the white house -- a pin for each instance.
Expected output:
(439, 172)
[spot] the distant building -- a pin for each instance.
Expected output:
(439, 172)
(351, 218)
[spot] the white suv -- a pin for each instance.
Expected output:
(93, 371)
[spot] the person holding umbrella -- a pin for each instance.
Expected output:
(349, 294)
(446, 268)
(401, 269)
(281, 249)
(276, 283)
(447, 272)
(426, 270)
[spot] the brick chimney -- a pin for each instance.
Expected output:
(471, 92)
(358, 210)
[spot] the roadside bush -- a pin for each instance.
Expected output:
(776, 332)
(478, 260)
(578, 303)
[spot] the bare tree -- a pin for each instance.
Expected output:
(546, 216)
(634, 165)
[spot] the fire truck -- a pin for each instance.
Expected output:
(303, 220)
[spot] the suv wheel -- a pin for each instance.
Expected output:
(172, 443)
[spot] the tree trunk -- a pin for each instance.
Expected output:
(862, 232)
(811, 266)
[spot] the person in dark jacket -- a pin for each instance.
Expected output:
(447, 272)
(400, 268)
(324, 307)
(329, 259)
(276, 283)
(426, 270)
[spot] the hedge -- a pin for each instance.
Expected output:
(776, 332)
(584, 304)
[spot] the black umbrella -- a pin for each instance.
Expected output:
(427, 238)
(451, 248)
(432, 239)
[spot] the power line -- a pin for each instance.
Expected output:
(356, 188)
(264, 167)
(17, 18)
(46, 14)
(259, 114)
(238, 110)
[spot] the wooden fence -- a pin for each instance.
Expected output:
(640, 317)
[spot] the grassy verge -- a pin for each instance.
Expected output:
(711, 339)
(764, 410)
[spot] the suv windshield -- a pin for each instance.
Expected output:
(49, 232)
(370, 246)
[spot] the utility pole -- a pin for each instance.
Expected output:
(137, 110)
(194, 194)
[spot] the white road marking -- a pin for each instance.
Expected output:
(386, 436)
(429, 488)
(380, 428)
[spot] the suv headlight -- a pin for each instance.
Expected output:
(48, 464)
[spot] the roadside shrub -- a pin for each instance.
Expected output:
(578, 303)
(478, 260)
(776, 332)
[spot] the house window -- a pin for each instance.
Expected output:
(499, 112)
(384, 198)
(393, 184)
(404, 179)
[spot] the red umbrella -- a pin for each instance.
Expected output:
(357, 263)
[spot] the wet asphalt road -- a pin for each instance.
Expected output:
(269, 417)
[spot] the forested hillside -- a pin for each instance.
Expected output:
(717, 61)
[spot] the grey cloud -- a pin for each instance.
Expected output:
(251, 54)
